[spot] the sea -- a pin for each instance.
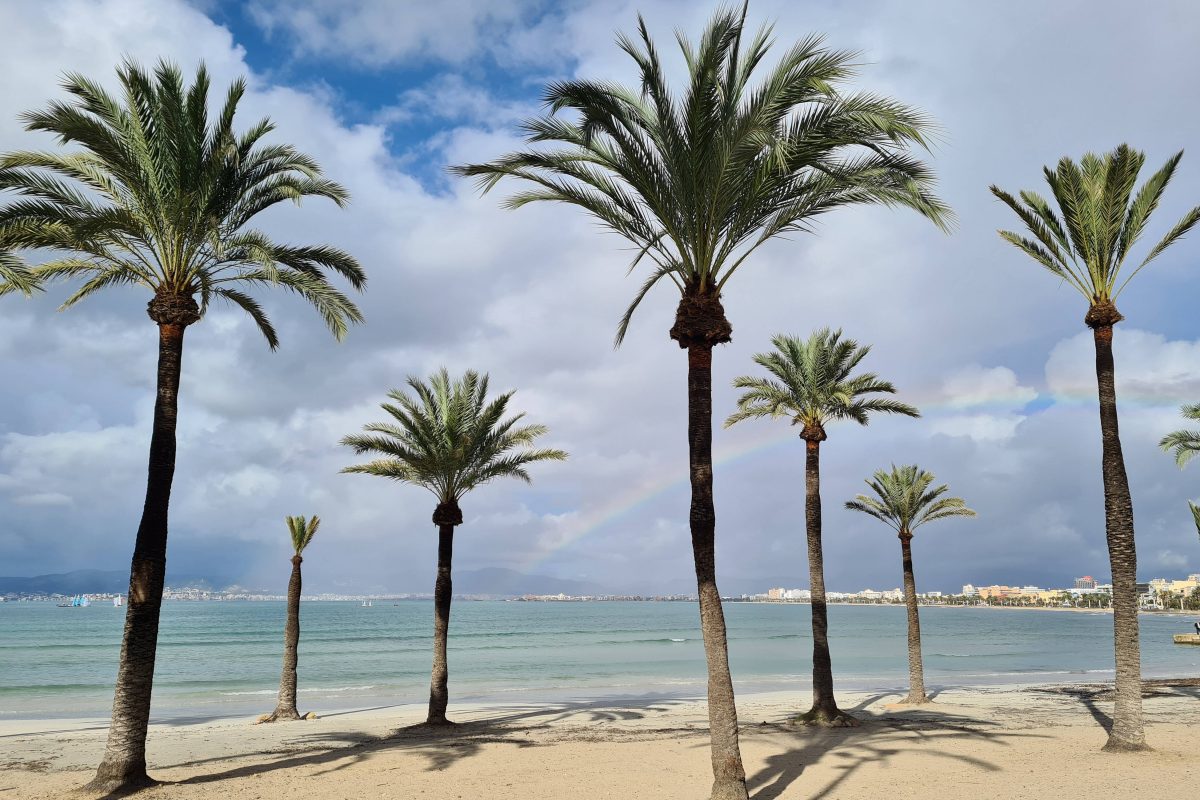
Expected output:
(223, 658)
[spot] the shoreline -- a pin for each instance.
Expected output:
(645, 747)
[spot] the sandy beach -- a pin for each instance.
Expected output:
(1011, 742)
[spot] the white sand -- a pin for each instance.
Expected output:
(995, 743)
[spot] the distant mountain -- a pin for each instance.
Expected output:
(83, 581)
(510, 583)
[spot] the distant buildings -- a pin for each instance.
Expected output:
(1086, 582)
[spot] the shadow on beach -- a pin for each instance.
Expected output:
(883, 734)
(444, 745)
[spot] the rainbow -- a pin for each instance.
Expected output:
(780, 434)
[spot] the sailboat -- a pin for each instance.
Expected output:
(78, 601)
(118, 602)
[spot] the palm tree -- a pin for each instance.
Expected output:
(697, 182)
(1085, 245)
(302, 532)
(157, 197)
(904, 502)
(449, 439)
(813, 384)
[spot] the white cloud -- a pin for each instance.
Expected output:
(533, 298)
(1150, 369)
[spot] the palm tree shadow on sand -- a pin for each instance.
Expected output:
(441, 746)
(881, 737)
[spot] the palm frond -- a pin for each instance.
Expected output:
(1184, 443)
(302, 531)
(813, 381)
(699, 177)
(449, 437)
(159, 195)
(1100, 218)
(902, 498)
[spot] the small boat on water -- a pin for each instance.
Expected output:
(366, 603)
(1187, 638)
(78, 601)
(118, 602)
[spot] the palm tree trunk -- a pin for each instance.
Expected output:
(916, 672)
(286, 707)
(824, 709)
(1127, 731)
(443, 591)
(124, 764)
(729, 776)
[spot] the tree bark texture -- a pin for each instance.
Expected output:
(729, 776)
(123, 766)
(824, 709)
(1128, 732)
(443, 591)
(286, 707)
(916, 671)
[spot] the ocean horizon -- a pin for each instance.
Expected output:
(223, 658)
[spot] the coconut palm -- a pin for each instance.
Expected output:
(1085, 245)
(697, 182)
(904, 502)
(448, 438)
(813, 383)
(302, 532)
(157, 196)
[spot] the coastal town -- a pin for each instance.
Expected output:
(1157, 594)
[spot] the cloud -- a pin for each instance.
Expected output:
(967, 328)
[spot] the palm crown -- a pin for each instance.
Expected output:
(1101, 220)
(302, 531)
(904, 501)
(448, 438)
(159, 197)
(1185, 444)
(813, 383)
(698, 182)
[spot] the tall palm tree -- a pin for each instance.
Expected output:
(302, 532)
(904, 502)
(697, 182)
(448, 438)
(813, 383)
(156, 196)
(1085, 245)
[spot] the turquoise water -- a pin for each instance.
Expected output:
(224, 657)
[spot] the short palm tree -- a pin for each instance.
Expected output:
(813, 382)
(1085, 245)
(302, 532)
(157, 196)
(697, 182)
(904, 502)
(448, 438)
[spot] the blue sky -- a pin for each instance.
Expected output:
(385, 95)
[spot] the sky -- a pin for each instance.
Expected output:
(386, 95)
